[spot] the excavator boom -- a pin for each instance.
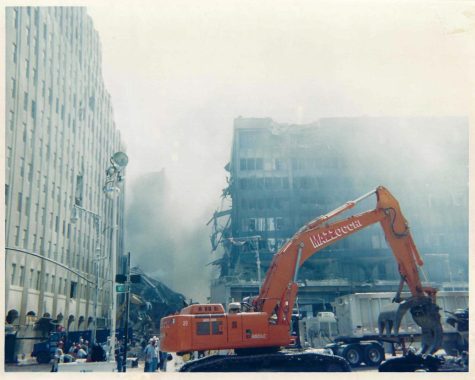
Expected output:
(266, 323)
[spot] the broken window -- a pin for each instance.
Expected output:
(251, 164)
(261, 224)
(279, 164)
(270, 224)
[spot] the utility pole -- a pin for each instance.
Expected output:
(127, 280)
(127, 304)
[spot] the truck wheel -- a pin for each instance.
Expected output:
(373, 355)
(353, 355)
(43, 358)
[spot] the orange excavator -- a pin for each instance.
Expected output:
(262, 327)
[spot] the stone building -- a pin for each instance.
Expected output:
(282, 176)
(60, 134)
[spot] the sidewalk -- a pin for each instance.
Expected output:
(27, 361)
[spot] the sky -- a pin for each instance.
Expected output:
(179, 72)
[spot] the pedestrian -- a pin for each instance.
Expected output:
(157, 352)
(163, 361)
(58, 356)
(85, 346)
(81, 354)
(71, 349)
(150, 354)
(119, 356)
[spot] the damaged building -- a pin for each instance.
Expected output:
(150, 301)
(282, 176)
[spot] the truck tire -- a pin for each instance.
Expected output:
(43, 357)
(373, 355)
(352, 353)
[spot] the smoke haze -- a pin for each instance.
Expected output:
(178, 79)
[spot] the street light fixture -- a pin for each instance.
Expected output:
(114, 177)
(120, 160)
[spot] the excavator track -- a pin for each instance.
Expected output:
(283, 361)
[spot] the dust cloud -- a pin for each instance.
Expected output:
(178, 79)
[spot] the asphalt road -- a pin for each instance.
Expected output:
(170, 366)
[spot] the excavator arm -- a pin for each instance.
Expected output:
(278, 292)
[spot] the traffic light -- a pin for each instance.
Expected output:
(120, 278)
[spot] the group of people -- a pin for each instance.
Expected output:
(79, 350)
(154, 358)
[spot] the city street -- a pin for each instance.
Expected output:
(266, 187)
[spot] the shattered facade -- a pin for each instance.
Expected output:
(150, 301)
(282, 176)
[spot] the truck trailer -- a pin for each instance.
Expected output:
(351, 330)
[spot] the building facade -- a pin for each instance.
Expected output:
(60, 135)
(283, 176)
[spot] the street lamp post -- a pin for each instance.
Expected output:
(111, 188)
(96, 259)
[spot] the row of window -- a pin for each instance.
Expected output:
(269, 183)
(26, 207)
(264, 203)
(246, 164)
(262, 224)
(251, 164)
(34, 282)
(78, 261)
(279, 183)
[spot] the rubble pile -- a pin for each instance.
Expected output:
(426, 363)
(150, 301)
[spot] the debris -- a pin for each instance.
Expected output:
(426, 363)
